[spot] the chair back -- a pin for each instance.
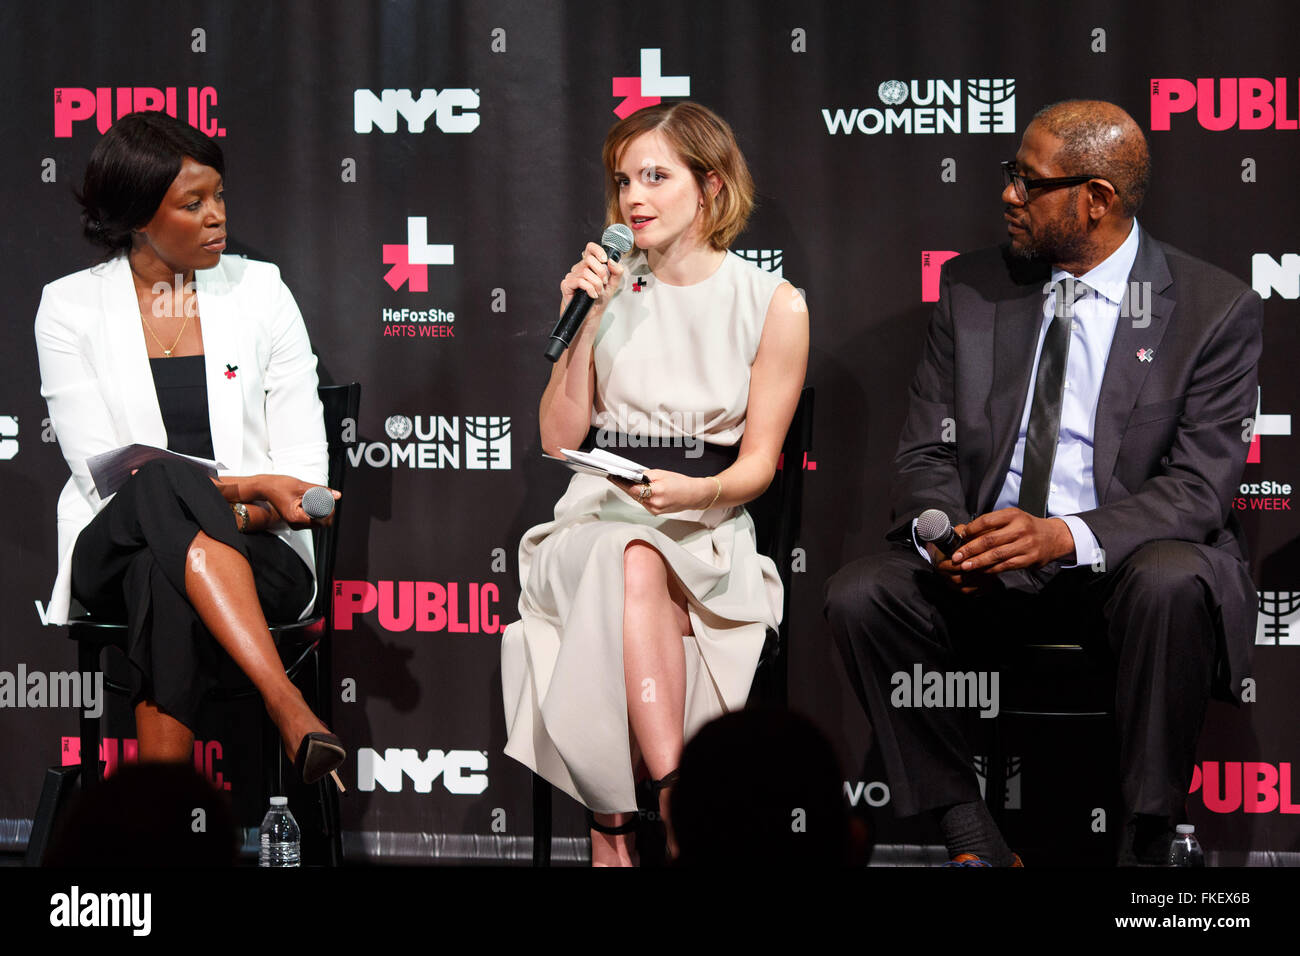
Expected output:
(778, 515)
(342, 404)
(778, 511)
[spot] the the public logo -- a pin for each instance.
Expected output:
(1247, 786)
(410, 262)
(1227, 102)
(106, 105)
(1146, 355)
(982, 105)
(449, 607)
(452, 110)
(648, 89)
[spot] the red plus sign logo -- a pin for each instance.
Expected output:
(648, 88)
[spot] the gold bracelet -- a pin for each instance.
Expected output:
(717, 494)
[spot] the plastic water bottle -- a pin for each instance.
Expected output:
(1186, 849)
(281, 840)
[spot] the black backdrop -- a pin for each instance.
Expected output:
(857, 194)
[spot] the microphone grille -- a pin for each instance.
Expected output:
(617, 236)
(318, 502)
(932, 524)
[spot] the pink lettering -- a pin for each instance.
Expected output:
(350, 598)
(490, 622)
(931, 261)
(1256, 108)
(1280, 91)
(71, 104)
(1284, 790)
(1259, 787)
(148, 98)
(1226, 117)
(454, 624)
(432, 609)
(405, 614)
(1169, 96)
(1227, 799)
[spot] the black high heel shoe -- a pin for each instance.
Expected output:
(320, 754)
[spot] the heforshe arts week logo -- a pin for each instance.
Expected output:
(409, 266)
(982, 105)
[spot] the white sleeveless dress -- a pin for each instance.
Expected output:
(669, 360)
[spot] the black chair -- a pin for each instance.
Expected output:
(304, 646)
(777, 514)
(1047, 682)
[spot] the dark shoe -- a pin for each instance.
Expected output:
(318, 755)
(970, 859)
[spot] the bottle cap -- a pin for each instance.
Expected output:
(279, 801)
(1182, 827)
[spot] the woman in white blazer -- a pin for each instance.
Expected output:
(167, 343)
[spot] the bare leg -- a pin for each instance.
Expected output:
(219, 583)
(162, 738)
(654, 669)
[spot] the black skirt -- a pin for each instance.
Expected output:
(129, 564)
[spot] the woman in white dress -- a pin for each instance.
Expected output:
(644, 607)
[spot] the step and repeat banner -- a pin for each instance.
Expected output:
(424, 173)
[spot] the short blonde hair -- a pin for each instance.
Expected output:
(707, 145)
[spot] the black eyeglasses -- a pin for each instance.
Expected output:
(1022, 185)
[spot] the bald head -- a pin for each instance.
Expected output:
(1100, 139)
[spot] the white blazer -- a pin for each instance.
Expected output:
(263, 409)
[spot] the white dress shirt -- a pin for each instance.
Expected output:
(1092, 329)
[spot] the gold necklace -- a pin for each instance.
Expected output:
(167, 353)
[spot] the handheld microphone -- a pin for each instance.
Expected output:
(616, 240)
(318, 502)
(933, 527)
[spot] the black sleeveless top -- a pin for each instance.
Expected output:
(182, 389)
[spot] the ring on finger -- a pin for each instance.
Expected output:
(646, 491)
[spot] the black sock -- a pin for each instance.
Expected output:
(968, 828)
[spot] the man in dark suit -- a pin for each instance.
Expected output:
(1082, 410)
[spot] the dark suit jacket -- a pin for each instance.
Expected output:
(1171, 434)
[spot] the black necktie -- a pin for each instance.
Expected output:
(1045, 414)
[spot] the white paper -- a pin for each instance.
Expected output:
(601, 463)
(111, 469)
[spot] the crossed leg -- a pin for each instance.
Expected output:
(219, 584)
(654, 675)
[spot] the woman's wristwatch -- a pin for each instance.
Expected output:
(241, 516)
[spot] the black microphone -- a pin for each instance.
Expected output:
(933, 527)
(616, 240)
